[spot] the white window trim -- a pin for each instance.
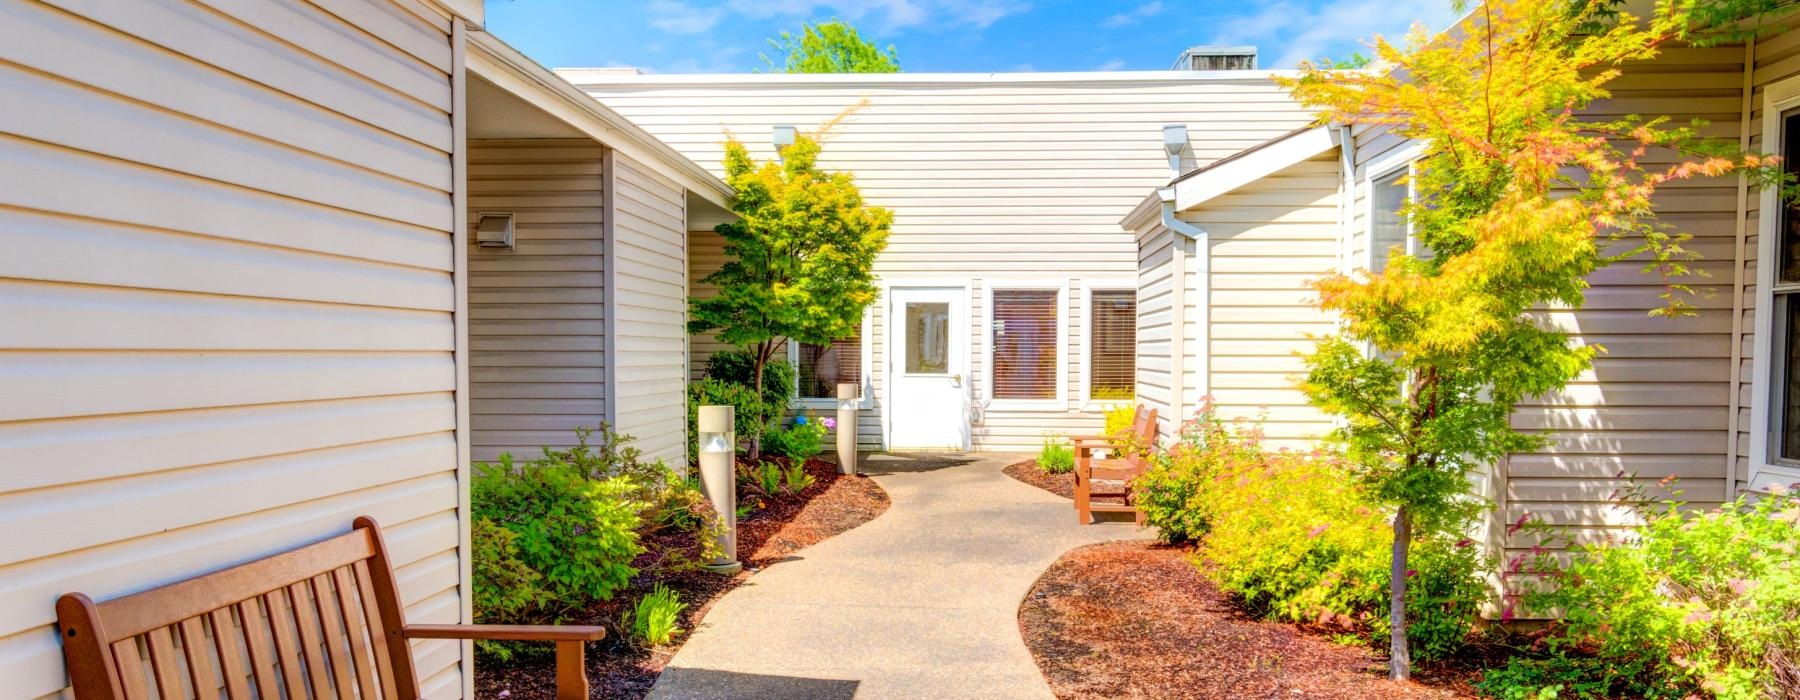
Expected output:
(1061, 402)
(1779, 97)
(867, 356)
(1088, 287)
(1382, 166)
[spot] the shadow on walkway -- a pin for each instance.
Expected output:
(707, 683)
(880, 463)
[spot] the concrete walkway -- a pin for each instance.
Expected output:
(922, 602)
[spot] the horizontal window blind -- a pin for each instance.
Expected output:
(823, 367)
(1024, 358)
(1112, 357)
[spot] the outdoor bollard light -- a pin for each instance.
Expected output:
(846, 427)
(718, 478)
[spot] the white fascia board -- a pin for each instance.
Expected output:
(613, 77)
(505, 67)
(1262, 161)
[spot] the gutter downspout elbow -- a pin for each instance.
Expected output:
(1172, 222)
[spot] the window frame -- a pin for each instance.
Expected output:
(1779, 98)
(1088, 402)
(866, 358)
(1397, 158)
(1061, 402)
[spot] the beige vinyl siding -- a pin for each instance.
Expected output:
(1267, 241)
(537, 322)
(648, 261)
(1156, 364)
(1656, 403)
(1008, 178)
(226, 302)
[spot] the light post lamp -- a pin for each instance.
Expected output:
(846, 427)
(717, 426)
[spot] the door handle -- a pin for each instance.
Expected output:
(956, 378)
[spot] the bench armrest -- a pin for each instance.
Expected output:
(1092, 438)
(538, 633)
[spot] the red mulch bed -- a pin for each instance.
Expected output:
(1137, 620)
(1028, 471)
(619, 669)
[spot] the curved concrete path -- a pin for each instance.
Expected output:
(922, 602)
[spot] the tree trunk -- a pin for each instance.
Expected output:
(1399, 657)
(762, 359)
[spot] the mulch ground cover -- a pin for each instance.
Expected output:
(618, 668)
(1028, 471)
(1137, 620)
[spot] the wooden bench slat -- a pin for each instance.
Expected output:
(312, 649)
(138, 613)
(365, 589)
(231, 661)
(356, 627)
(199, 664)
(131, 669)
(164, 663)
(256, 645)
(389, 608)
(287, 650)
(337, 645)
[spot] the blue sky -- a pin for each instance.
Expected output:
(726, 36)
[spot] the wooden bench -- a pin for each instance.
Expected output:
(321, 621)
(1122, 465)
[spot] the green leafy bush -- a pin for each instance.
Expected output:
(795, 479)
(1056, 457)
(713, 392)
(1292, 536)
(1697, 602)
(798, 442)
(730, 379)
(652, 621)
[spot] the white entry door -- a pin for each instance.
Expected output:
(928, 366)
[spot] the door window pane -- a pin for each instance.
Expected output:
(927, 337)
(1112, 374)
(1387, 228)
(823, 367)
(1025, 327)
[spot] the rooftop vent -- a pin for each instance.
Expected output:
(1217, 58)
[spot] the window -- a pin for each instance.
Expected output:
(1783, 438)
(822, 367)
(1112, 345)
(1025, 343)
(1387, 228)
(927, 337)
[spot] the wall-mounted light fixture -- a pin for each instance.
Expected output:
(1175, 143)
(494, 229)
(783, 136)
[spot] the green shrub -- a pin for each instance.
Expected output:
(652, 621)
(713, 392)
(730, 376)
(798, 442)
(1698, 602)
(795, 479)
(1292, 536)
(1118, 426)
(1056, 457)
(505, 587)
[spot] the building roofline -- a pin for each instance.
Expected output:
(583, 77)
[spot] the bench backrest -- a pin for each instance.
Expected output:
(321, 621)
(1143, 435)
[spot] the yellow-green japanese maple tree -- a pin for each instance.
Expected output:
(1519, 197)
(800, 257)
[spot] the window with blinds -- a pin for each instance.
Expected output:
(823, 367)
(1024, 346)
(1112, 340)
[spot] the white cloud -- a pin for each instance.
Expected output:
(677, 17)
(889, 14)
(1114, 64)
(1134, 15)
(1324, 28)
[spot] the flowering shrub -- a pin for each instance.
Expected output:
(1293, 536)
(1696, 602)
(800, 441)
(1118, 429)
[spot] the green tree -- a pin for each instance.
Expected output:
(800, 256)
(831, 47)
(1519, 200)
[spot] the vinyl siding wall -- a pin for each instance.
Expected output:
(989, 181)
(226, 301)
(648, 254)
(1155, 327)
(1267, 242)
(538, 324)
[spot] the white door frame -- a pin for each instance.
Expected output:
(960, 329)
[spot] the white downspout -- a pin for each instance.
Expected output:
(1178, 306)
(1347, 200)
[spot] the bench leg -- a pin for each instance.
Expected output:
(571, 671)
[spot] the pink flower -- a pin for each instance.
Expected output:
(1320, 530)
(830, 423)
